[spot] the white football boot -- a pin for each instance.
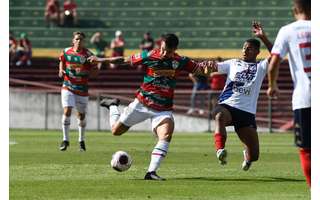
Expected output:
(222, 156)
(245, 164)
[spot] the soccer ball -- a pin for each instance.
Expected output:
(121, 161)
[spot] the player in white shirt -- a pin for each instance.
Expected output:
(238, 100)
(295, 39)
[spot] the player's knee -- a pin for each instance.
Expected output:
(117, 130)
(219, 117)
(66, 120)
(82, 122)
(167, 137)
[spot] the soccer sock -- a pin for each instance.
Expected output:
(82, 127)
(305, 159)
(65, 127)
(220, 140)
(114, 114)
(157, 155)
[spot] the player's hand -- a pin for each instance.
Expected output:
(93, 59)
(257, 29)
(61, 73)
(273, 92)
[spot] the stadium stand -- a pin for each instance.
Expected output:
(203, 24)
(200, 24)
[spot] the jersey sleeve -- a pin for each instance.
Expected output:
(61, 57)
(264, 64)
(187, 64)
(138, 58)
(280, 46)
(224, 67)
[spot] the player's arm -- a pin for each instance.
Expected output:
(258, 31)
(62, 68)
(204, 68)
(273, 71)
(62, 65)
(114, 60)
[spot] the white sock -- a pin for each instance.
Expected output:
(82, 127)
(65, 127)
(157, 155)
(114, 114)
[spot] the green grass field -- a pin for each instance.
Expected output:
(38, 170)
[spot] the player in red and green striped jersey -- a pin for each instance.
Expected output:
(154, 98)
(75, 71)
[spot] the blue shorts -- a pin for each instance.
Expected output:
(202, 86)
(302, 127)
(241, 118)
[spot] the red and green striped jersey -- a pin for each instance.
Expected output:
(159, 82)
(77, 70)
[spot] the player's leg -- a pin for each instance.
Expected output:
(302, 130)
(164, 131)
(223, 118)
(117, 128)
(66, 119)
(68, 102)
(133, 114)
(81, 105)
(249, 137)
(82, 122)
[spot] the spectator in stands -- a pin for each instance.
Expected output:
(12, 48)
(159, 40)
(100, 45)
(24, 51)
(200, 84)
(52, 13)
(69, 16)
(117, 46)
(295, 39)
(147, 43)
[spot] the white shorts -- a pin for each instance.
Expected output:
(69, 99)
(136, 112)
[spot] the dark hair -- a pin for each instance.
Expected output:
(79, 33)
(303, 6)
(171, 40)
(254, 42)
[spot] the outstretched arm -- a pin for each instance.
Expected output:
(114, 60)
(205, 68)
(258, 31)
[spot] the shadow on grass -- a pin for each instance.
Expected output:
(261, 179)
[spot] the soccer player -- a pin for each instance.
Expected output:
(295, 39)
(238, 100)
(154, 98)
(75, 71)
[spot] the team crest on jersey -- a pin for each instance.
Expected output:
(82, 59)
(175, 64)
